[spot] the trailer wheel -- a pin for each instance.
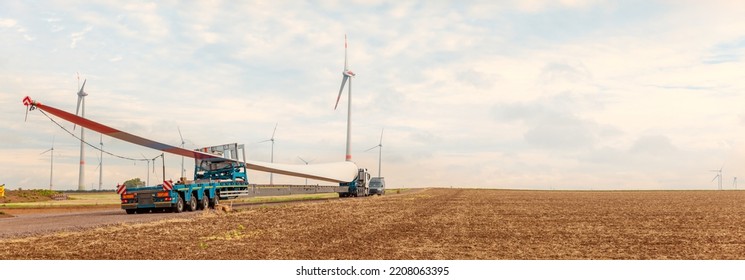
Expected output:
(192, 203)
(130, 211)
(214, 201)
(204, 203)
(179, 206)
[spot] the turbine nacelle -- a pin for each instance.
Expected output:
(82, 92)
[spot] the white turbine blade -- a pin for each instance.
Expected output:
(267, 140)
(44, 152)
(275, 130)
(381, 137)
(372, 148)
(182, 137)
(715, 177)
(344, 171)
(77, 110)
(341, 89)
(81, 92)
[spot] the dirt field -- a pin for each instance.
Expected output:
(433, 224)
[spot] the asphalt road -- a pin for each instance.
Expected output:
(32, 224)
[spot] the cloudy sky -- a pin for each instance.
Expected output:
(506, 94)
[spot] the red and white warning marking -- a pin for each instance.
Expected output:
(167, 185)
(121, 189)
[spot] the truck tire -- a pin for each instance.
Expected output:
(192, 203)
(214, 201)
(204, 203)
(179, 206)
(130, 211)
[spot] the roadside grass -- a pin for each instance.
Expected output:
(73, 200)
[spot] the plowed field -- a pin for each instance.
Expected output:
(432, 224)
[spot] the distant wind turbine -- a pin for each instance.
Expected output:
(718, 176)
(81, 99)
(380, 151)
(734, 183)
(100, 164)
(147, 181)
(182, 157)
(51, 164)
(271, 175)
(347, 75)
(306, 163)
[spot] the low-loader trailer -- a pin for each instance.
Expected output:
(214, 178)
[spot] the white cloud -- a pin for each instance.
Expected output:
(6, 22)
(77, 36)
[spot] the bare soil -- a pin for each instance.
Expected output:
(433, 224)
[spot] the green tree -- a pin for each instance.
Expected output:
(135, 182)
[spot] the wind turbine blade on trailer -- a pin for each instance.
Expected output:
(332, 172)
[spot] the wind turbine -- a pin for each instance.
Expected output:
(380, 152)
(719, 176)
(51, 165)
(100, 164)
(306, 163)
(347, 75)
(182, 157)
(147, 182)
(81, 99)
(271, 175)
(734, 183)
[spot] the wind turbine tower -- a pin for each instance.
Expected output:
(347, 75)
(271, 175)
(380, 151)
(81, 99)
(51, 165)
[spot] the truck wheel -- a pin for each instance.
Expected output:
(204, 203)
(214, 201)
(130, 211)
(192, 203)
(179, 206)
